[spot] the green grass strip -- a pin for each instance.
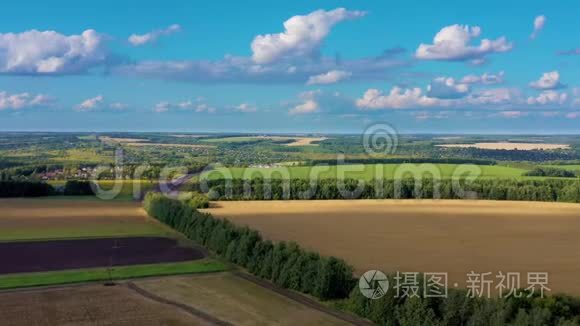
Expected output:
(102, 274)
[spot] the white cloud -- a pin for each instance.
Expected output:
(197, 106)
(573, 115)
(302, 35)
(233, 69)
(161, 107)
(309, 103)
(452, 43)
(118, 106)
(246, 108)
(309, 106)
(413, 98)
(204, 107)
(513, 114)
(486, 79)
(426, 115)
(493, 97)
(548, 97)
(398, 98)
(22, 100)
(549, 80)
(446, 88)
(331, 77)
(151, 37)
(91, 104)
(539, 23)
(48, 52)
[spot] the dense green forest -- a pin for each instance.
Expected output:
(502, 189)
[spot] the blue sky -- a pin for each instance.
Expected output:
(263, 66)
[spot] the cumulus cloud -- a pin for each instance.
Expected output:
(331, 77)
(98, 103)
(539, 23)
(309, 103)
(548, 80)
(302, 36)
(447, 88)
(91, 104)
(453, 43)
(486, 78)
(22, 100)
(309, 106)
(413, 98)
(398, 98)
(548, 97)
(48, 52)
(153, 36)
(198, 106)
(493, 97)
(246, 108)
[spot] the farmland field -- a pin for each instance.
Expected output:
(427, 236)
(23, 280)
(89, 305)
(296, 141)
(40, 256)
(235, 300)
(31, 219)
(365, 171)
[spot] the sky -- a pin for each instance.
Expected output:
(291, 67)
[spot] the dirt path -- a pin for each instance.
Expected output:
(195, 312)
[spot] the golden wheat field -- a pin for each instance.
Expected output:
(455, 237)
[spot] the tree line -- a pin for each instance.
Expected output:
(38, 189)
(291, 267)
(553, 190)
(285, 264)
(510, 155)
(25, 189)
(550, 172)
(402, 160)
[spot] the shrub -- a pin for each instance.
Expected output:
(25, 189)
(78, 188)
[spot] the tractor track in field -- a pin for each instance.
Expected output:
(310, 303)
(189, 309)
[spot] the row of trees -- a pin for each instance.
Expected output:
(458, 308)
(38, 189)
(550, 172)
(24, 189)
(427, 188)
(285, 264)
(402, 160)
(509, 155)
(289, 266)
